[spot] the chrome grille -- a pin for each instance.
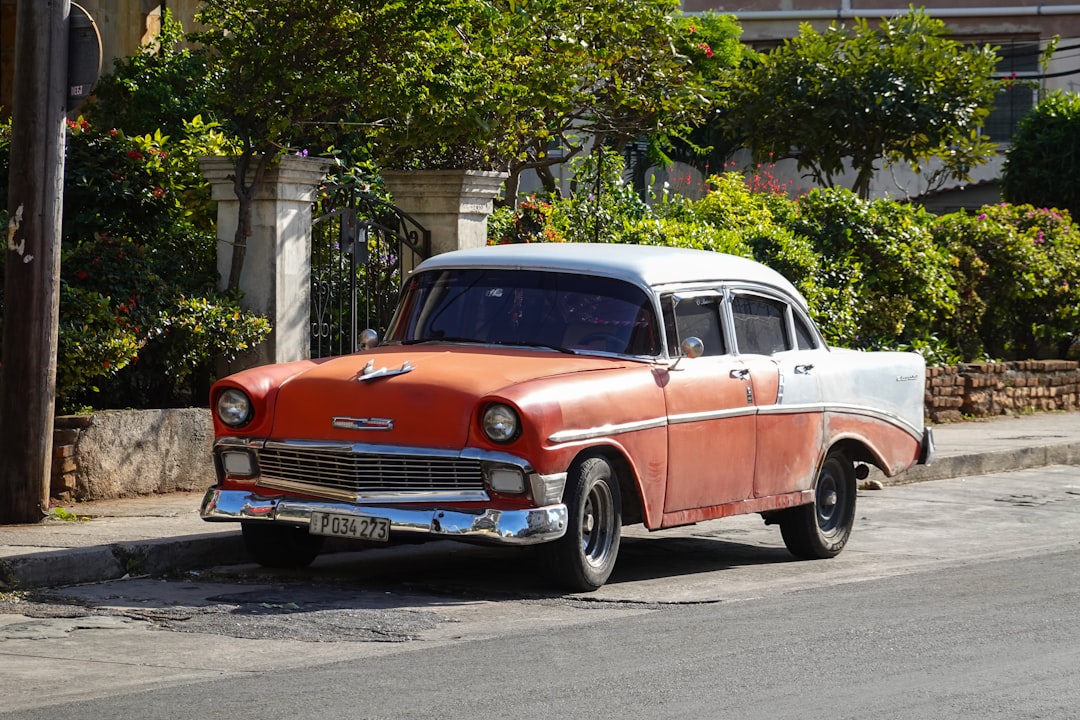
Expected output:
(342, 472)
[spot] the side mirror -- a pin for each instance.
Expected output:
(369, 339)
(692, 347)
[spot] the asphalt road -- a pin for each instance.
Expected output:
(954, 599)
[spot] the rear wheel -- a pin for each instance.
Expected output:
(583, 558)
(821, 530)
(280, 546)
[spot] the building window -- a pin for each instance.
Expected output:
(1019, 60)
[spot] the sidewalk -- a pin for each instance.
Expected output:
(163, 533)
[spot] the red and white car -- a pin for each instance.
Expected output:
(551, 393)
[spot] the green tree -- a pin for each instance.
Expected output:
(285, 73)
(1042, 166)
(507, 80)
(850, 97)
(157, 89)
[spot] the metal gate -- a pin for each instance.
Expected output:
(361, 247)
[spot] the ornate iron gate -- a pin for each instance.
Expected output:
(360, 248)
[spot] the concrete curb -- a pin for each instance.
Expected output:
(77, 566)
(988, 462)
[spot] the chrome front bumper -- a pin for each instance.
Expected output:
(504, 527)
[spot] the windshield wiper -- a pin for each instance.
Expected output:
(447, 339)
(531, 344)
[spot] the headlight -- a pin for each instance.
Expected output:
(501, 423)
(234, 408)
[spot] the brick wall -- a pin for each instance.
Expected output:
(987, 389)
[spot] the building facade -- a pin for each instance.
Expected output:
(1021, 29)
(123, 25)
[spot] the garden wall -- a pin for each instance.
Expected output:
(126, 453)
(988, 389)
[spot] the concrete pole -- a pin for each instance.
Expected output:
(32, 261)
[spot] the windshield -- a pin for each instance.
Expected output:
(561, 311)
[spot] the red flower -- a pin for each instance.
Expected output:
(159, 192)
(82, 275)
(135, 155)
(706, 48)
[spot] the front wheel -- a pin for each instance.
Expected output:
(822, 529)
(583, 558)
(280, 546)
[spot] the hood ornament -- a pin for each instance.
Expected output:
(370, 373)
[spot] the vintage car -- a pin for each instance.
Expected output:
(548, 394)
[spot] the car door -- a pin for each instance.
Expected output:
(790, 427)
(710, 409)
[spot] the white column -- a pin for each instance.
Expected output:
(276, 277)
(453, 205)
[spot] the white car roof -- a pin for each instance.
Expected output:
(644, 265)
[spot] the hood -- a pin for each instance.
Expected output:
(430, 405)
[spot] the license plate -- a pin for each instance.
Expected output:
(350, 526)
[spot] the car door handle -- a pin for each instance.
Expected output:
(803, 369)
(740, 373)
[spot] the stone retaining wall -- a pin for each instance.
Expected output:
(126, 453)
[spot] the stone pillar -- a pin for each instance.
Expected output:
(276, 278)
(453, 205)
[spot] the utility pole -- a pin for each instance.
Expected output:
(32, 259)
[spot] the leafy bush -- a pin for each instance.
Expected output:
(880, 274)
(158, 89)
(1042, 164)
(138, 270)
(1021, 266)
(879, 259)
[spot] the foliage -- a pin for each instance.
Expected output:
(1022, 267)
(880, 261)
(877, 275)
(603, 207)
(506, 81)
(138, 271)
(157, 89)
(903, 93)
(760, 217)
(530, 221)
(1042, 165)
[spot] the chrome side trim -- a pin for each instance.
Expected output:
(564, 436)
(713, 415)
(528, 526)
(845, 409)
(892, 418)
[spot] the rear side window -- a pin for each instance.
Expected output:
(760, 325)
(803, 335)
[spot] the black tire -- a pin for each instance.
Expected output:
(280, 546)
(583, 558)
(820, 530)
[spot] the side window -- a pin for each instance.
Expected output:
(803, 335)
(694, 316)
(760, 325)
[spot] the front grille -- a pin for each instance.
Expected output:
(342, 472)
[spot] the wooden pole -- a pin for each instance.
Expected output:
(32, 260)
